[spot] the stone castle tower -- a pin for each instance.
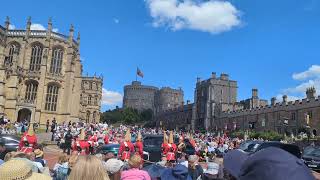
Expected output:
(41, 76)
(142, 97)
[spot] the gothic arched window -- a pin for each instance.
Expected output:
(36, 56)
(89, 100)
(95, 101)
(14, 49)
(52, 97)
(56, 61)
(31, 91)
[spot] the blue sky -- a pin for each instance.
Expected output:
(270, 45)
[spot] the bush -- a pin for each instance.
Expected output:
(268, 135)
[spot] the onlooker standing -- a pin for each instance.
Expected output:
(53, 128)
(195, 170)
(39, 157)
(47, 125)
(61, 168)
(67, 142)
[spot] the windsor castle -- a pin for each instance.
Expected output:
(216, 107)
(41, 77)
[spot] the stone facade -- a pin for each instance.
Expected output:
(142, 97)
(41, 76)
(216, 107)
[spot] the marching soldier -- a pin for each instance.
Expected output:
(81, 145)
(171, 149)
(139, 145)
(126, 147)
(28, 141)
(164, 144)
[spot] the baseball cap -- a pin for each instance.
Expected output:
(270, 163)
(113, 165)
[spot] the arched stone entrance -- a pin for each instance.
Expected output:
(24, 114)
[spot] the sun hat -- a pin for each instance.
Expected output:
(135, 161)
(176, 173)
(38, 153)
(213, 168)
(17, 169)
(270, 163)
(113, 165)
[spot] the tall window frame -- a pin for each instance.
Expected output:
(31, 91)
(56, 61)
(13, 49)
(36, 57)
(52, 97)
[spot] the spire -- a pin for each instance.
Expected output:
(50, 24)
(29, 23)
(7, 23)
(71, 31)
(78, 38)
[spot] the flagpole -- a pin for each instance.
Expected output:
(137, 74)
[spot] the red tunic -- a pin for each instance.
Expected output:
(139, 145)
(170, 150)
(163, 148)
(82, 146)
(106, 139)
(27, 143)
(125, 150)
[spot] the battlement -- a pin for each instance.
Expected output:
(280, 106)
(39, 33)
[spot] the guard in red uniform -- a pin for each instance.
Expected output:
(81, 145)
(139, 146)
(181, 147)
(171, 149)
(28, 141)
(126, 147)
(164, 144)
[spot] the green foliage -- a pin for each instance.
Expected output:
(126, 116)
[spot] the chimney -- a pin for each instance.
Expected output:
(273, 101)
(254, 93)
(213, 75)
(284, 99)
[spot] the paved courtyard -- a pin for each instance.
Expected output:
(51, 152)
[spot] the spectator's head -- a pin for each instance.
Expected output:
(109, 155)
(193, 161)
(114, 167)
(176, 173)
(135, 161)
(88, 167)
(21, 155)
(2, 147)
(38, 153)
(9, 156)
(270, 163)
(63, 158)
(72, 160)
(19, 169)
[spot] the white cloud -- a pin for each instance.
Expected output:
(308, 78)
(115, 20)
(41, 27)
(214, 16)
(37, 27)
(111, 98)
(313, 71)
(11, 26)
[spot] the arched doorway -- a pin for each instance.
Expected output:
(24, 115)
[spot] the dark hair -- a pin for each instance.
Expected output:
(2, 144)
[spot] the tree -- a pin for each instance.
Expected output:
(130, 116)
(146, 115)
